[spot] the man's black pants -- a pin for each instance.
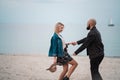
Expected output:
(94, 63)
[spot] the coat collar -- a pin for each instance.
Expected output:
(93, 28)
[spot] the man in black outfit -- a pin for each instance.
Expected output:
(95, 48)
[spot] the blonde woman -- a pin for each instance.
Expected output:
(59, 53)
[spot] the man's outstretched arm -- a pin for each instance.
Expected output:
(85, 44)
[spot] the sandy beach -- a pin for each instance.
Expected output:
(33, 67)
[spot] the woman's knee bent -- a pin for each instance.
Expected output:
(73, 63)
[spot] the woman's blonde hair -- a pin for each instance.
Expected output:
(57, 27)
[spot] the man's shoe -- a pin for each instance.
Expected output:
(66, 78)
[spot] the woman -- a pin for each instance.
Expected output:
(59, 53)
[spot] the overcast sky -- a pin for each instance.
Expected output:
(51, 11)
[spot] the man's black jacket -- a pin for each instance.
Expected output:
(93, 43)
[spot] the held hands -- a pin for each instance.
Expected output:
(73, 43)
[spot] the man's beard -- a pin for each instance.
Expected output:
(88, 28)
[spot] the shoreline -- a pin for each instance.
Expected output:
(41, 54)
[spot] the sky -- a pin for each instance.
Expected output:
(51, 11)
(26, 26)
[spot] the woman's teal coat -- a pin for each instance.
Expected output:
(56, 47)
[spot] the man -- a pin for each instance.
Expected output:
(95, 48)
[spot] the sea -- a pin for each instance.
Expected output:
(35, 38)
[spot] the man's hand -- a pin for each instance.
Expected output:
(74, 43)
(74, 54)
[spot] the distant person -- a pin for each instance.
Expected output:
(95, 48)
(58, 50)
